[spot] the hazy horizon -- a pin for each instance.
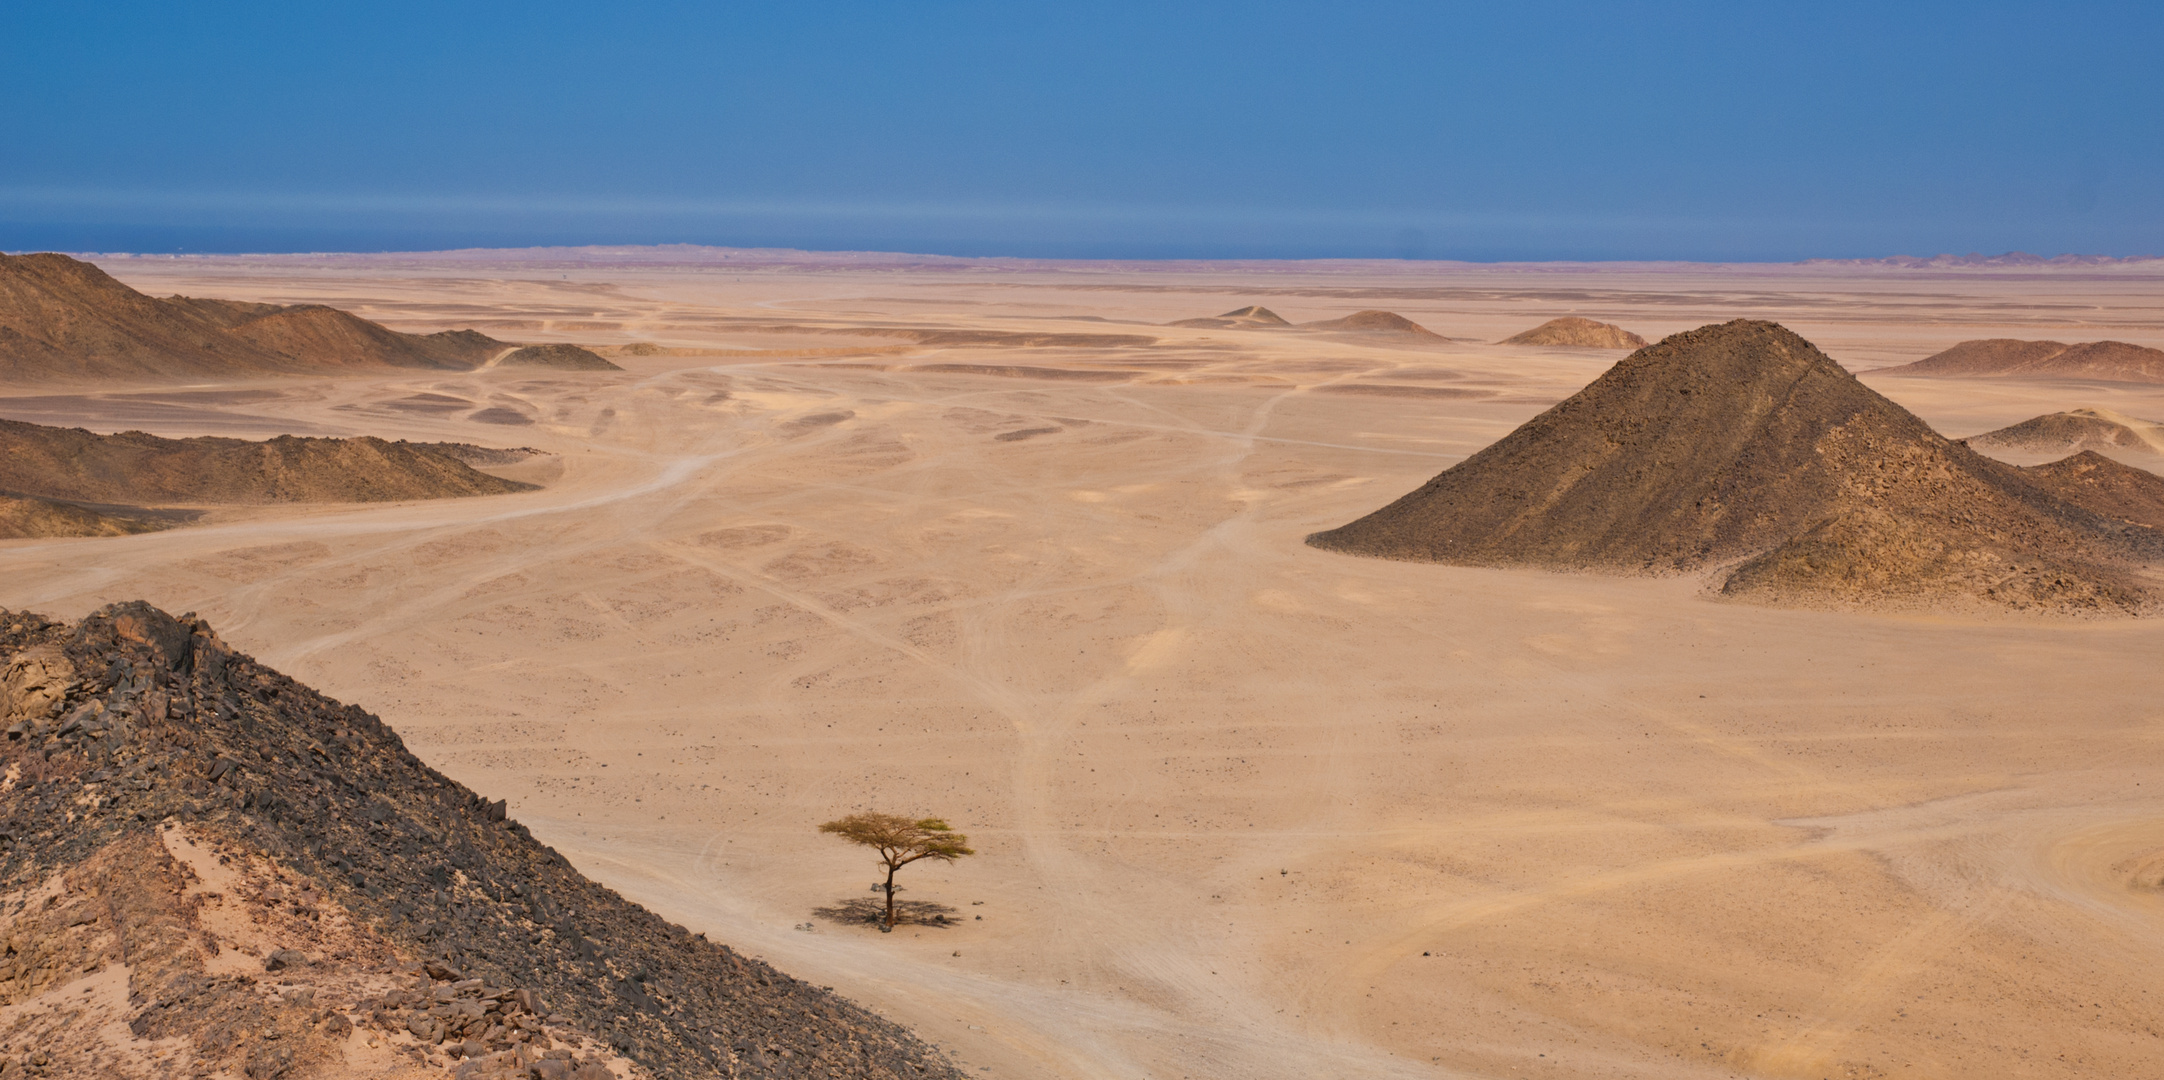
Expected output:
(1289, 130)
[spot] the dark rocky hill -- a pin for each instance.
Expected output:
(1742, 448)
(133, 468)
(207, 869)
(62, 319)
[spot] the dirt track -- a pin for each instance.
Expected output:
(1246, 808)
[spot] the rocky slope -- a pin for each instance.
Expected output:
(137, 469)
(207, 869)
(2115, 361)
(63, 319)
(1573, 332)
(1743, 449)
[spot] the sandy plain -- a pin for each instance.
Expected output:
(1244, 808)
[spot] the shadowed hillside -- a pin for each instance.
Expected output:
(209, 869)
(1742, 443)
(63, 319)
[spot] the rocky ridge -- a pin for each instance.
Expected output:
(64, 320)
(135, 468)
(2114, 361)
(209, 869)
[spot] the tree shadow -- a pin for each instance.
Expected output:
(868, 911)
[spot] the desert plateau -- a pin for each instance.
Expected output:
(1700, 671)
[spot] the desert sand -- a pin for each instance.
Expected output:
(916, 535)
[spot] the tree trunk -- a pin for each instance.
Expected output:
(888, 926)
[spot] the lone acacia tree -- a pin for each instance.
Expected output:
(899, 841)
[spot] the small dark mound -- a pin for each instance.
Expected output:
(24, 518)
(562, 357)
(1573, 332)
(1250, 317)
(1743, 442)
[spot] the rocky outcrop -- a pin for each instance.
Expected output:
(207, 868)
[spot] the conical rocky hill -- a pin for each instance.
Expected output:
(63, 319)
(1573, 332)
(207, 869)
(1741, 447)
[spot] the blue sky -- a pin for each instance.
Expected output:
(1438, 130)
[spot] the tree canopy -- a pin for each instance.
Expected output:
(900, 841)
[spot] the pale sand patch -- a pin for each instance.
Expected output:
(1245, 808)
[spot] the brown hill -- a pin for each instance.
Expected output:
(2076, 430)
(63, 319)
(2115, 361)
(566, 357)
(138, 469)
(1577, 333)
(1743, 444)
(229, 874)
(22, 517)
(1246, 318)
(1376, 322)
(2097, 483)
